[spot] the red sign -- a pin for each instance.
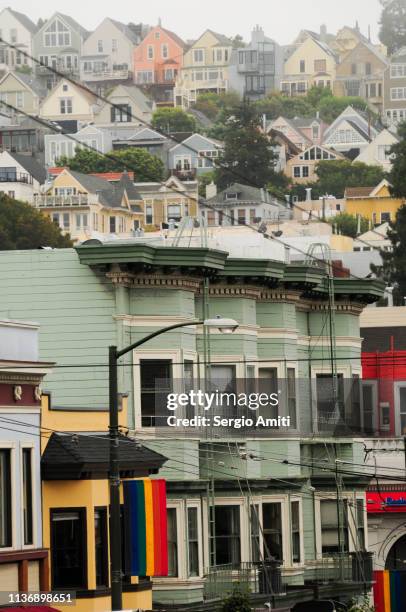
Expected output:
(386, 502)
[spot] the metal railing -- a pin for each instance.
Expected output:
(250, 577)
(353, 567)
(45, 201)
(16, 177)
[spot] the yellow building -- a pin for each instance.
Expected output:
(374, 203)
(205, 68)
(75, 503)
(311, 63)
(82, 205)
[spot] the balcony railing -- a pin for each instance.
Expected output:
(100, 75)
(354, 567)
(185, 175)
(256, 578)
(52, 201)
(16, 177)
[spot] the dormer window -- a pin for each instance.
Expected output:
(231, 196)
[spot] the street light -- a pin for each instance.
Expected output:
(225, 326)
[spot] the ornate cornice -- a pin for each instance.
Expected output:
(279, 295)
(20, 377)
(134, 281)
(323, 306)
(232, 291)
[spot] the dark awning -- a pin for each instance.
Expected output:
(85, 455)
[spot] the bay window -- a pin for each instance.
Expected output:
(295, 530)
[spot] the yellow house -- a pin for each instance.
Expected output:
(22, 92)
(374, 203)
(84, 205)
(75, 503)
(67, 101)
(205, 68)
(312, 63)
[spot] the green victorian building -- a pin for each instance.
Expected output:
(290, 518)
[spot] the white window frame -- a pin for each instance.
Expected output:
(365, 382)
(198, 51)
(19, 99)
(396, 388)
(34, 499)
(164, 51)
(194, 503)
(11, 446)
(150, 52)
(351, 517)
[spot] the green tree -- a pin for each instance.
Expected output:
(146, 167)
(393, 24)
(24, 227)
(317, 93)
(336, 175)
(394, 262)
(274, 105)
(347, 224)
(238, 601)
(211, 104)
(397, 175)
(238, 41)
(170, 120)
(330, 107)
(248, 156)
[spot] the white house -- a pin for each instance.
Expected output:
(352, 131)
(69, 101)
(378, 151)
(127, 105)
(107, 52)
(17, 29)
(21, 176)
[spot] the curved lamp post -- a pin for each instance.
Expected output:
(225, 326)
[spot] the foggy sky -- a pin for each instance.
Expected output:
(281, 19)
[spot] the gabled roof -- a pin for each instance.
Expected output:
(109, 194)
(145, 133)
(135, 93)
(125, 183)
(371, 48)
(210, 141)
(80, 90)
(23, 19)
(83, 455)
(222, 40)
(358, 120)
(128, 32)
(175, 37)
(29, 81)
(68, 20)
(365, 192)
(31, 165)
(246, 193)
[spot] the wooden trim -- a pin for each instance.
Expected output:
(44, 574)
(23, 575)
(21, 555)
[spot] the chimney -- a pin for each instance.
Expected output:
(323, 32)
(211, 190)
(308, 194)
(369, 33)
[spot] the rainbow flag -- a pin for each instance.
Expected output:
(390, 591)
(145, 541)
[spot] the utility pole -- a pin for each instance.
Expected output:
(114, 485)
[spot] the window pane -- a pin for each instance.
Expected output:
(295, 526)
(27, 495)
(272, 529)
(172, 543)
(68, 550)
(255, 531)
(156, 382)
(100, 536)
(193, 541)
(5, 499)
(227, 530)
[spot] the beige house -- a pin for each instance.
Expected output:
(87, 206)
(205, 68)
(69, 101)
(378, 152)
(312, 62)
(302, 167)
(21, 91)
(166, 202)
(360, 73)
(131, 108)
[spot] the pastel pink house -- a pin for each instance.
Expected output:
(157, 60)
